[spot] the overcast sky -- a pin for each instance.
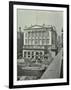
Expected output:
(39, 17)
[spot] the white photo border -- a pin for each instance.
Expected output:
(28, 82)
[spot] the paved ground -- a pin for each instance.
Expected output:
(53, 71)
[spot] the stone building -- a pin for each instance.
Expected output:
(38, 40)
(19, 43)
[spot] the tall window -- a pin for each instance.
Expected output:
(33, 35)
(47, 41)
(40, 41)
(26, 41)
(32, 54)
(29, 34)
(40, 34)
(43, 35)
(36, 35)
(25, 34)
(32, 41)
(40, 53)
(47, 34)
(25, 54)
(37, 53)
(28, 54)
(43, 41)
(29, 41)
(36, 41)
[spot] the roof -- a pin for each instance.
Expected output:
(38, 27)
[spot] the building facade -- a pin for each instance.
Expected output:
(38, 40)
(19, 43)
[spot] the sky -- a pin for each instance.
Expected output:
(30, 17)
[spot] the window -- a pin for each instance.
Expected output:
(25, 54)
(28, 56)
(40, 35)
(29, 34)
(32, 41)
(46, 52)
(36, 41)
(32, 56)
(29, 41)
(46, 57)
(33, 35)
(43, 41)
(43, 34)
(47, 41)
(36, 57)
(47, 33)
(40, 53)
(37, 53)
(26, 41)
(32, 53)
(36, 35)
(25, 34)
(40, 41)
(28, 53)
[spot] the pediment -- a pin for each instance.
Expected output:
(34, 27)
